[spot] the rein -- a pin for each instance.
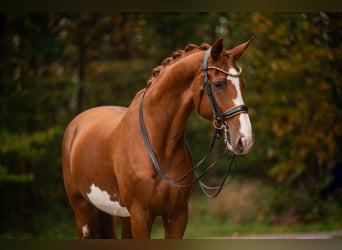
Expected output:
(219, 123)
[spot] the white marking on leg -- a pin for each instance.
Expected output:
(101, 200)
(85, 231)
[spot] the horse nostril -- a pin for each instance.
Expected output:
(240, 145)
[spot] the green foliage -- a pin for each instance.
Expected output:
(294, 92)
(54, 65)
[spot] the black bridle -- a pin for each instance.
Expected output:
(219, 123)
(219, 117)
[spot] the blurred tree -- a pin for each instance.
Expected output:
(297, 83)
(31, 93)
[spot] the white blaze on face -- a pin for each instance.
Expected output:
(245, 123)
(102, 201)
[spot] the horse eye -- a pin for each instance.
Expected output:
(218, 85)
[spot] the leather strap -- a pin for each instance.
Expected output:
(235, 111)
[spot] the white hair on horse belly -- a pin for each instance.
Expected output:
(101, 200)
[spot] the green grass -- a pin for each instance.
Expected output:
(251, 207)
(209, 226)
(225, 229)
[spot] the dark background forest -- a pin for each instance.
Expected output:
(55, 65)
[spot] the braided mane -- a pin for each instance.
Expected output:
(175, 55)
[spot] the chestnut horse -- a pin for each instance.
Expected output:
(108, 169)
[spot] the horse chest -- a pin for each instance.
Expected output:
(168, 198)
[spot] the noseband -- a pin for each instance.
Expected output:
(219, 117)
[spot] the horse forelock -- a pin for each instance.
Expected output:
(175, 55)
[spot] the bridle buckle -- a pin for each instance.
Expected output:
(218, 123)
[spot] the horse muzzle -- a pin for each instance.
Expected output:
(241, 146)
(239, 140)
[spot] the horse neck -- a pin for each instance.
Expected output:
(168, 104)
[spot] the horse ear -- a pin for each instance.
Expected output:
(238, 50)
(217, 49)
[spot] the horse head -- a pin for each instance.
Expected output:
(223, 105)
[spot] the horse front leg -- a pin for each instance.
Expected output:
(141, 223)
(175, 224)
